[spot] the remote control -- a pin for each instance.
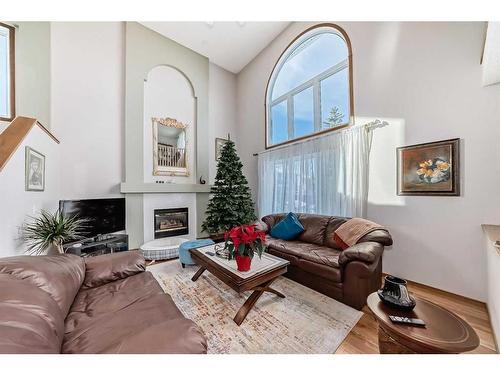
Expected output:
(405, 320)
(210, 253)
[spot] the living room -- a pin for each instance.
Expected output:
(349, 163)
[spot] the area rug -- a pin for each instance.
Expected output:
(303, 322)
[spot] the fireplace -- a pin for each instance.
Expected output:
(171, 222)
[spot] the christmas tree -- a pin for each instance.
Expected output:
(334, 118)
(231, 202)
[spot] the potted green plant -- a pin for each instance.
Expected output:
(49, 231)
(242, 242)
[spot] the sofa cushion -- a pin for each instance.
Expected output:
(332, 226)
(111, 267)
(61, 276)
(131, 315)
(295, 248)
(175, 336)
(314, 228)
(323, 255)
(272, 220)
(320, 255)
(327, 272)
(288, 228)
(294, 260)
(30, 320)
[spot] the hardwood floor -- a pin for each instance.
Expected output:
(363, 339)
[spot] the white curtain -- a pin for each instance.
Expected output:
(326, 175)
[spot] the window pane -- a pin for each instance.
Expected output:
(279, 123)
(335, 100)
(303, 113)
(4, 72)
(310, 58)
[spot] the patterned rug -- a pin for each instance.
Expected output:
(303, 322)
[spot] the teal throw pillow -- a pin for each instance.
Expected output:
(288, 228)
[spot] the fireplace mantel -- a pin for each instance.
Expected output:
(144, 188)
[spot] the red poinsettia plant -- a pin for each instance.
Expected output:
(244, 240)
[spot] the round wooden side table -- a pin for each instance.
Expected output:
(444, 332)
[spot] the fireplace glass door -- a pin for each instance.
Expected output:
(171, 222)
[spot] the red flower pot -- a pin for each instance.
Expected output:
(243, 263)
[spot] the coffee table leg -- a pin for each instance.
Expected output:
(198, 273)
(250, 302)
(270, 290)
(247, 306)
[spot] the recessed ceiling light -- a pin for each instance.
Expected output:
(210, 24)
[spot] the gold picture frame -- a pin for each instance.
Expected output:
(429, 168)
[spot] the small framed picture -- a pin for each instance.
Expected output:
(34, 170)
(429, 168)
(219, 142)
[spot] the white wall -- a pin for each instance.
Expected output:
(16, 203)
(425, 79)
(491, 55)
(33, 71)
(87, 109)
(88, 106)
(32, 100)
(492, 234)
(163, 201)
(221, 110)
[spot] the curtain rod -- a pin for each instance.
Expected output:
(369, 125)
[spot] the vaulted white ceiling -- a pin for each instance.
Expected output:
(231, 45)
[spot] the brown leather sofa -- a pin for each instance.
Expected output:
(317, 261)
(104, 304)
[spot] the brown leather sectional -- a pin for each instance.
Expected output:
(317, 261)
(104, 304)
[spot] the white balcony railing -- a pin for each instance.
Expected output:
(170, 156)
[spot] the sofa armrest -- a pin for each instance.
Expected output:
(368, 252)
(381, 236)
(107, 268)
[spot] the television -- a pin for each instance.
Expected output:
(105, 215)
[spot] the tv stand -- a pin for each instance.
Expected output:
(104, 237)
(101, 244)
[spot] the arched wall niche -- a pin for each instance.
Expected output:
(168, 93)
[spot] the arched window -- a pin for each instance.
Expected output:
(310, 88)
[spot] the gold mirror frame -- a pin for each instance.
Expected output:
(168, 171)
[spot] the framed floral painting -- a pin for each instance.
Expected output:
(429, 168)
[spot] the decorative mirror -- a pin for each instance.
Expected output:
(169, 147)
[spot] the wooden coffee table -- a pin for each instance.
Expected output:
(444, 332)
(258, 281)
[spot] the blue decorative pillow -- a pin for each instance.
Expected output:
(288, 228)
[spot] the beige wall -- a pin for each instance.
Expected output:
(425, 79)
